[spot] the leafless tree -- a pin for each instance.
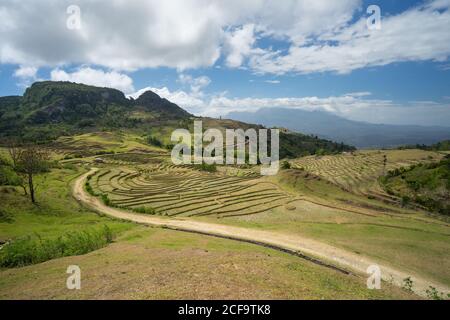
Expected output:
(28, 161)
(14, 151)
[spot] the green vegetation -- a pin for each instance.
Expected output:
(49, 110)
(37, 233)
(29, 161)
(206, 167)
(8, 177)
(440, 146)
(293, 145)
(46, 232)
(285, 165)
(434, 294)
(154, 142)
(145, 210)
(427, 185)
(408, 284)
(332, 194)
(31, 250)
(53, 112)
(5, 217)
(153, 263)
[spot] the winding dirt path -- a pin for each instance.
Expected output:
(312, 250)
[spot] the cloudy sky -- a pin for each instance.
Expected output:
(215, 56)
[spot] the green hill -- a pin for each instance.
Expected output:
(49, 110)
(427, 185)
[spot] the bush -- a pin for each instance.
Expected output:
(145, 210)
(405, 201)
(104, 152)
(89, 189)
(8, 177)
(4, 162)
(155, 142)
(434, 294)
(32, 250)
(285, 165)
(407, 284)
(206, 167)
(105, 199)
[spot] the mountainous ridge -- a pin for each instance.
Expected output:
(66, 106)
(49, 110)
(329, 126)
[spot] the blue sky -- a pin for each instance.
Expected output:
(212, 57)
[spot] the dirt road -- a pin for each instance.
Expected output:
(315, 251)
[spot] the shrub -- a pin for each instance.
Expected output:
(90, 190)
(109, 237)
(32, 250)
(104, 152)
(105, 199)
(8, 177)
(145, 210)
(285, 165)
(434, 294)
(408, 284)
(206, 167)
(154, 142)
(405, 201)
(4, 162)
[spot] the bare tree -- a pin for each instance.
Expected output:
(29, 161)
(14, 151)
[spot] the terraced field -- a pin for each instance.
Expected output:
(179, 191)
(358, 172)
(99, 143)
(132, 158)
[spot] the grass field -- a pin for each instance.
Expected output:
(158, 263)
(295, 202)
(56, 213)
(148, 263)
(333, 199)
(414, 246)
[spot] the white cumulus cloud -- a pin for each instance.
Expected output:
(317, 36)
(239, 44)
(418, 34)
(181, 34)
(26, 72)
(95, 77)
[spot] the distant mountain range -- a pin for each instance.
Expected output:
(328, 126)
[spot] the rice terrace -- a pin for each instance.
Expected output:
(261, 151)
(329, 211)
(148, 184)
(330, 207)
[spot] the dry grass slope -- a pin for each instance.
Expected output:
(358, 172)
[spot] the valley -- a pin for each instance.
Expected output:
(111, 200)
